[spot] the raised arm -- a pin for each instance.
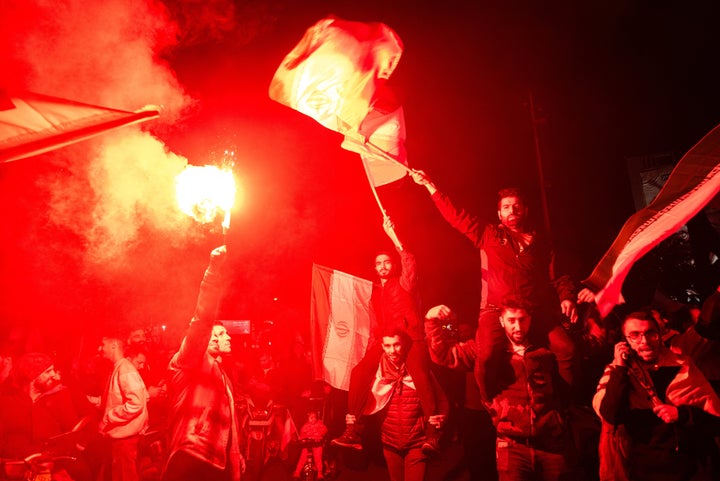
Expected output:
(195, 344)
(463, 222)
(444, 350)
(408, 273)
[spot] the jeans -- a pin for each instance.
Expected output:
(405, 465)
(120, 460)
(518, 461)
(477, 433)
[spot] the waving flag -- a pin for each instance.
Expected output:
(332, 74)
(691, 185)
(31, 124)
(381, 144)
(340, 324)
(336, 76)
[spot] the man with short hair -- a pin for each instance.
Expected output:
(516, 260)
(393, 396)
(124, 414)
(396, 304)
(527, 404)
(204, 441)
(654, 405)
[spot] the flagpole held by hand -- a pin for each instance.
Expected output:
(372, 186)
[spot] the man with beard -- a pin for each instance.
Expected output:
(516, 260)
(394, 398)
(656, 407)
(51, 406)
(527, 404)
(396, 304)
(204, 440)
(35, 410)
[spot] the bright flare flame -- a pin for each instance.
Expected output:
(203, 192)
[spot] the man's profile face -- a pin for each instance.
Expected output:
(47, 379)
(108, 348)
(393, 348)
(139, 361)
(219, 341)
(516, 323)
(512, 212)
(383, 266)
(644, 338)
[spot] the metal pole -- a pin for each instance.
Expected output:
(538, 158)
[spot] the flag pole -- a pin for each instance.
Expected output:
(356, 142)
(375, 150)
(372, 186)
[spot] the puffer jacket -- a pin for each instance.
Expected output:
(402, 425)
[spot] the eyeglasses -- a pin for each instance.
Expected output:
(649, 336)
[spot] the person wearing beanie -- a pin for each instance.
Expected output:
(39, 407)
(36, 370)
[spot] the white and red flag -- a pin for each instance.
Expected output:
(691, 185)
(337, 75)
(332, 74)
(31, 124)
(340, 324)
(381, 141)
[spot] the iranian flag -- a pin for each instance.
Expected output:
(381, 141)
(691, 185)
(31, 124)
(337, 74)
(340, 324)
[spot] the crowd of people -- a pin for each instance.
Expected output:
(546, 389)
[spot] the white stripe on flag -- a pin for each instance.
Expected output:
(691, 185)
(347, 320)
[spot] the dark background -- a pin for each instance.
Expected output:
(609, 79)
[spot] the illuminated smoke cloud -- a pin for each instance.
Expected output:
(102, 232)
(107, 53)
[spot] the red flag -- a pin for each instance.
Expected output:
(31, 124)
(340, 324)
(691, 185)
(332, 74)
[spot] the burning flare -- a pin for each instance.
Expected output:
(203, 192)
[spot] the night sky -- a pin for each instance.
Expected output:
(91, 239)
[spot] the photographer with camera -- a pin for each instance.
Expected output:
(527, 401)
(656, 407)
